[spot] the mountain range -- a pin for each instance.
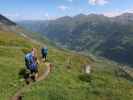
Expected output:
(67, 80)
(110, 37)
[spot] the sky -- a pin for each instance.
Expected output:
(52, 9)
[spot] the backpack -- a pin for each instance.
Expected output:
(44, 50)
(30, 62)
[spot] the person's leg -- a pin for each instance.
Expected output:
(27, 76)
(27, 71)
(33, 75)
(45, 55)
(42, 55)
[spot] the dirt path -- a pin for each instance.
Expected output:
(19, 94)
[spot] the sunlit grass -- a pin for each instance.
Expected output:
(66, 82)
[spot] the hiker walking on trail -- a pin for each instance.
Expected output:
(31, 62)
(44, 52)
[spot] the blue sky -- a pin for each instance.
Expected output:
(51, 9)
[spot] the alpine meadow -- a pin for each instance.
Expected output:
(66, 50)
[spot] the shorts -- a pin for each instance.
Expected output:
(33, 70)
(29, 66)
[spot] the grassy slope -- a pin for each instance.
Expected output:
(12, 49)
(107, 81)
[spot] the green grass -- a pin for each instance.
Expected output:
(71, 84)
(11, 62)
(66, 82)
(12, 48)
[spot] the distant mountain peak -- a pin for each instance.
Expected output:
(65, 18)
(80, 15)
(127, 14)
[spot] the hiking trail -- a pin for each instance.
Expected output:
(19, 93)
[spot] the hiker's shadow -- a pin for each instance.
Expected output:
(26, 75)
(23, 73)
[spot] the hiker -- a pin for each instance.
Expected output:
(31, 63)
(44, 52)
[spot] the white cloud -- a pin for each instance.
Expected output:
(98, 2)
(63, 8)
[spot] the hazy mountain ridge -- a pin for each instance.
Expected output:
(109, 37)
